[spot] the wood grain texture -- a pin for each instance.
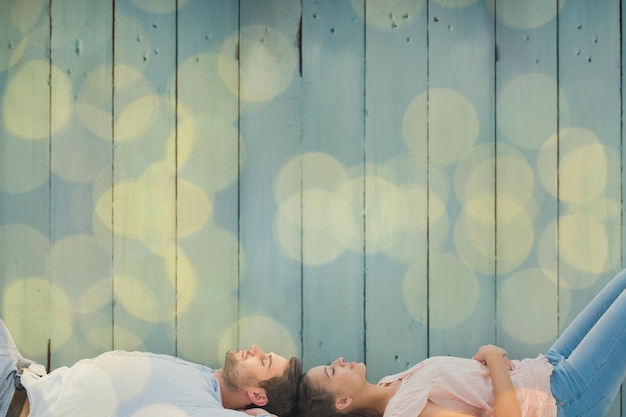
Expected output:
(381, 181)
(333, 292)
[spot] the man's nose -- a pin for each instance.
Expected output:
(255, 350)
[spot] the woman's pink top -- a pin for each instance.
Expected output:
(464, 385)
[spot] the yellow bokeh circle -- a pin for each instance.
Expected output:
(528, 14)
(27, 102)
(37, 311)
(266, 59)
(452, 289)
(265, 332)
(452, 122)
(527, 298)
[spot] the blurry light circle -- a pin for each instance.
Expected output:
(32, 306)
(453, 292)
(267, 62)
(447, 140)
(529, 313)
(528, 14)
(527, 110)
(26, 102)
(265, 332)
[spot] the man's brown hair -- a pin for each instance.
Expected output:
(282, 391)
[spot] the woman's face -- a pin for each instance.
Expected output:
(340, 377)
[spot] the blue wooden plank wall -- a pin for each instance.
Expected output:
(377, 180)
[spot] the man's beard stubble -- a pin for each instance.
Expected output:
(235, 376)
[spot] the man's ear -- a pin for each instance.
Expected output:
(343, 402)
(257, 396)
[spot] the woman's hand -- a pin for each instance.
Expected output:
(493, 353)
(506, 403)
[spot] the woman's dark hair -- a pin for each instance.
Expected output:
(282, 390)
(316, 401)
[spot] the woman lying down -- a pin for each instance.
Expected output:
(579, 376)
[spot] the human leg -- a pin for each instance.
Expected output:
(589, 359)
(587, 318)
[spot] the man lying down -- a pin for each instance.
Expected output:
(140, 384)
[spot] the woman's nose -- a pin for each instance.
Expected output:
(339, 361)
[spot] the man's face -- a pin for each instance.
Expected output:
(246, 368)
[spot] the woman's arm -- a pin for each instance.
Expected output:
(499, 367)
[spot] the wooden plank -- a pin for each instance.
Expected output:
(590, 179)
(589, 176)
(144, 189)
(25, 124)
(269, 93)
(396, 217)
(622, 156)
(81, 158)
(208, 155)
(460, 143)
(333, 135)
(527, 211)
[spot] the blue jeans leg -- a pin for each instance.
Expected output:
(589, 358)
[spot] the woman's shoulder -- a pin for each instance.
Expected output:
(414, 386)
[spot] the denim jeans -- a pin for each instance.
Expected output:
(589, 358)
(11, 361)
